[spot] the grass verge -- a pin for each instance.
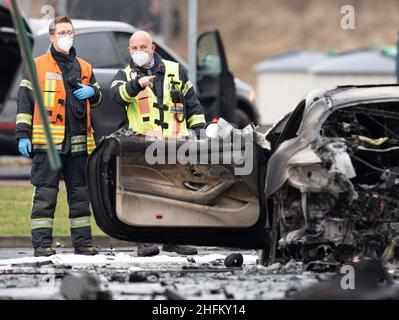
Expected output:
(15, 210)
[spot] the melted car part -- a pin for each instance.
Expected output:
(234, 260)
(83, 286)
(341, 195)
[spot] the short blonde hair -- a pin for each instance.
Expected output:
(57, 20)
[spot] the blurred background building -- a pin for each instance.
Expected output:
(282, 81)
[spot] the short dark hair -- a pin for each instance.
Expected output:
(57, 20)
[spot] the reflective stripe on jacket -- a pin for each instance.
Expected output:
(147, 116)
(54, 97)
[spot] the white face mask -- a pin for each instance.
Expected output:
(65, 43)
(140, 58)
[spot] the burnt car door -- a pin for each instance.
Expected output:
(215, 82)
(199, 192)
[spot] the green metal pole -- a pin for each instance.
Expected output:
(26, 53)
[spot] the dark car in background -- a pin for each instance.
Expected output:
(104, 44)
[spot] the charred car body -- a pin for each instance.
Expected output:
(333, 177)
(323, 186)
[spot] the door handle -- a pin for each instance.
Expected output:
(193, 186)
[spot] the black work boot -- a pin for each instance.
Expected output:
(147, 250)
(86, 248)
(44, 251)
(180, 249)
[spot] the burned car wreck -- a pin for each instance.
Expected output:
(334, 182)
(323, 185)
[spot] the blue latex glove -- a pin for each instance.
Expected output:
(85, 92)
(24, 146)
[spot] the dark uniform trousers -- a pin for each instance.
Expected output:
(46, 182)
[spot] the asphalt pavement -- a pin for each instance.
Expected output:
(123, 276)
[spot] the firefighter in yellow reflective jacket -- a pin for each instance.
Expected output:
(69, 91)
(157, 94)
(159, 100)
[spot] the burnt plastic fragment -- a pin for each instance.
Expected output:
(234, 260)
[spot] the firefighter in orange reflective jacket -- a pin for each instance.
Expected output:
(69, 91)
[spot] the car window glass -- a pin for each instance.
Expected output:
(41, 45)
(122, 45)
(208, 55)
(97, 48)
(163, 53)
